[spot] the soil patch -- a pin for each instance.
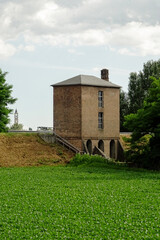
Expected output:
(26, 149)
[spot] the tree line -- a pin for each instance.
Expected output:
(140, 114)
(139, 84)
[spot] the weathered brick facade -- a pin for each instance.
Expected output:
(76, 112)
(67, 111)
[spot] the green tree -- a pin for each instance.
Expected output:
(5, 99)
(140, 83)
(17, 126)
(138, 86)
(145, 128)
(124, 110)
(135, 94)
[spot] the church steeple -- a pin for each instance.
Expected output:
(16, 117)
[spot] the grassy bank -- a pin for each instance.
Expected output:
(28, 149)
(79, 203)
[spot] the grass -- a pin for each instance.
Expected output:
(13, 134)
(83, 202)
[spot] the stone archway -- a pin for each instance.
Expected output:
(101, 145)
(112, 149)
(89, 146)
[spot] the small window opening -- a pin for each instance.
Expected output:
(100, 120)
(100, 99)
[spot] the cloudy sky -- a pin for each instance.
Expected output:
(46, 41)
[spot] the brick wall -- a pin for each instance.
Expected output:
(67, 111)
(90, 111)
(76, 142)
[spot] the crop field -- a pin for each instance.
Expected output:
(79, 203)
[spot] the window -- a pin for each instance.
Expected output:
(100, 99)
(100, 120)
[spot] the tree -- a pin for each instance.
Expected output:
(138, 86)
(135, 95)
(124, 110)
(17, 126)
(5, 99)
(145, 128)
(140, 83)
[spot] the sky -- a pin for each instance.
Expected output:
(43, 42)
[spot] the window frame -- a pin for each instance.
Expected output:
(100, 99)
(100, 120)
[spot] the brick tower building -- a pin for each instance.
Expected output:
(86, 112)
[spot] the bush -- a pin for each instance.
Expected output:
(94, 161)
(87, 160)
(143, 153)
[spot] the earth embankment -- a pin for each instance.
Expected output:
(26, 149)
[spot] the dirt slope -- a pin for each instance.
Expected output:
(21, 149)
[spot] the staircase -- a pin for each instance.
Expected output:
(65, 143)
(52, 138)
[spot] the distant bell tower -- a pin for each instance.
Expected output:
(16, 117)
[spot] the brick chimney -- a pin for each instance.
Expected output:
(105, 74)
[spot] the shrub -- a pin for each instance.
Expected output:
(87, 160)
(94, 161)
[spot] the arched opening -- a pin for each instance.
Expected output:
(89, 146)
(112, 149)
(101, 145)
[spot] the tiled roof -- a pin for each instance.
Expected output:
(86, 80)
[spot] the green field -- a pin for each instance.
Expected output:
(79, 203)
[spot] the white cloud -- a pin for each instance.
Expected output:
(29, 48)
(128, 27)
(136, 39)
(6, 50)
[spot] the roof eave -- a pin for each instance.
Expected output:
(91, 85)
